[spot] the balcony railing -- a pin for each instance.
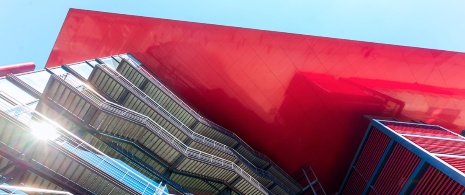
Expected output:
(198, 116)
(134, 158)
(15, 79)
(175, 121)
(195, 136)
(16, 189)
(120, 111)
(80, 151)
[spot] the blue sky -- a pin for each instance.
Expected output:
(29, 28)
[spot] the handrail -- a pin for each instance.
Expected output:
(66, 152)
(194, 135)
(30, 189)
(14, 78)
(263, 173)
(12, 151)
(180, 125)
(151, 125)
(136, 91)
(173, 96)
(63, 143)
(176, 143)
(141, 163)
(131, 156)
(66, 139)
(198, 115)
(138, 66)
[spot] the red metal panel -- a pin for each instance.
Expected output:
(396, 171)
(17, 68)
(420, 130)
(374, 148)
(435, 182)
(372, 152)
(355, 185)
(372, 192)
(458, 163)
(440, 146)
(287, 95)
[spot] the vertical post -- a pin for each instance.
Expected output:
(143, 84)
(380, 165)
(310, 183)
(146, 186)
(359, 151)
(193, 125)
(414, 177)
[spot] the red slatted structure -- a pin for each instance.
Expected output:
(396, 171)
(439, 146)
(436, 182)
(374, 148)
(355, 185)
(436, 141)
(416, 129)
(372, 152)
(458, 163)
(422, 159)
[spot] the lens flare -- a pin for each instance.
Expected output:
(44, 131)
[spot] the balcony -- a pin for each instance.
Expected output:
(29, 139)
(111, 118)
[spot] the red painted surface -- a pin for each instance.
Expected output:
(395, 173)
(371, 154)
(298, 99)
(17, 68)
(435, 182)
(435, 143)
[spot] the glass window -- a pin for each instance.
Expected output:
(117, 58)
(5, 104)
(58, 70)
(16, 112)
(110, 62)
(37, 80)
(82, 69)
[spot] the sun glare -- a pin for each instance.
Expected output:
(44, 131)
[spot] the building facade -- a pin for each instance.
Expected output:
(407, 158)
(107, 125)
(299, 99)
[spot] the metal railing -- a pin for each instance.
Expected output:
(263, 173)
(139, 161)
(79, 150)
(194, 135)
(175, 121)
(17, 80)
(173, 96)
(198, 116)
(15, 189)
(148, 123)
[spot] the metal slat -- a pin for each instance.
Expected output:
(138, 119)
(73, 106)
(63, 96)
(287, 177)
(69, 100)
